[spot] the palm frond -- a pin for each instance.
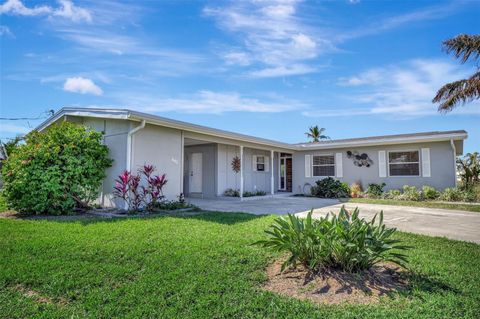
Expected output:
(463, 46)
(458, 93)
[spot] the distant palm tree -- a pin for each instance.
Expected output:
(316, 134)
(459, 92)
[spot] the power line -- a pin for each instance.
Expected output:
(43, 115)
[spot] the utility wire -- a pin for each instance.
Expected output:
(44, 115)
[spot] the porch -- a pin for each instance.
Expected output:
(210, 168)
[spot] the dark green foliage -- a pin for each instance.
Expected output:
(200, 267)
(375, 190)
(469, 169)
(330, 188)
(344, 241)
(55, 171)
(254, 193)
(170, 205)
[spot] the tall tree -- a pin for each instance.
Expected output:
(460, 92)
(316, 134)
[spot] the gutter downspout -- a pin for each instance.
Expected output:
(129, 144)
(452, 143)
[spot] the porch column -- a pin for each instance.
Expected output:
(272, 187)
(241, 171)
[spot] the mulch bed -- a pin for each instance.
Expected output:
(335, 286)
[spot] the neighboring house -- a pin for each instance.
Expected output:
(199, 160)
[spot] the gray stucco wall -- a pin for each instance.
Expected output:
(161, 147)
(441, 161)
(115, 139)
(209, 168)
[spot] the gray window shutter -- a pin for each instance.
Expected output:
(382, 164)
(426, 171)
(338, 165)
(308, 166)
(254, 163)
(267, 164)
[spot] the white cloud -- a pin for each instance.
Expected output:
(402, 90)
(272, 35)
(208, 102)
(70, 11)
(237, 58)
(384, 24)
(295, 69)
(67, 9)
(5, 31)
(81, 85)
(11, 128)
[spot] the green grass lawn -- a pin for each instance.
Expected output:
(198, 267)
(430, 204)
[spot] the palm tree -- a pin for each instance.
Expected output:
(459, 92)
(316, 134)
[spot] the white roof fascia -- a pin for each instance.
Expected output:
(158, 120)
(385, 141)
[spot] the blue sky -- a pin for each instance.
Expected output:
(261, 67)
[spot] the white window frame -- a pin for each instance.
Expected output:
(334, 165)
(409, 150)
(266, 163)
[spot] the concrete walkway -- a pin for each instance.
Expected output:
(453, 224)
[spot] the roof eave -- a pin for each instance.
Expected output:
(422, 139)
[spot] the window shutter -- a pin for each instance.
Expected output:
(308, 166)
(338, 165)
(382, 164)
(426, 162)
(267, 164)
(254, 163)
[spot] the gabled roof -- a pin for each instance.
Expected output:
(126, 114)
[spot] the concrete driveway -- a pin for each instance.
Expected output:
(453, 224)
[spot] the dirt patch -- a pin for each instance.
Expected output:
(29, 293)
(334, 286)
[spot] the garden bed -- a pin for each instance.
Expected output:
(335, 286)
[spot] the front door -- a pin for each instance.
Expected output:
(195, 173)
(285, 180)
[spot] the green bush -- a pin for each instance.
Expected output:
(230, 192)
(55, 171)
(392, 194)
(330, 188)
(453, 194)
(254, 193)
(469, 195)
(375, 190)
(411, 193)
(344, 241)
(430, 193)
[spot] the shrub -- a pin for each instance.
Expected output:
(55, 171)
(375, 190)
(453, 194)
(392, 194)
(230, 192)
(430, 193)
(468, 195)
(356, 190)
(171, 205)
(254, 193)
(343, 241)
(128, 187)
(411, 193)
(330, 188)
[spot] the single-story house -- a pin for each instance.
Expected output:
(204, 162)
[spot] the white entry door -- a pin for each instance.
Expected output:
(195, 170)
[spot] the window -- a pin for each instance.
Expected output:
(323, 165)
(404, 163)
(260, 164)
